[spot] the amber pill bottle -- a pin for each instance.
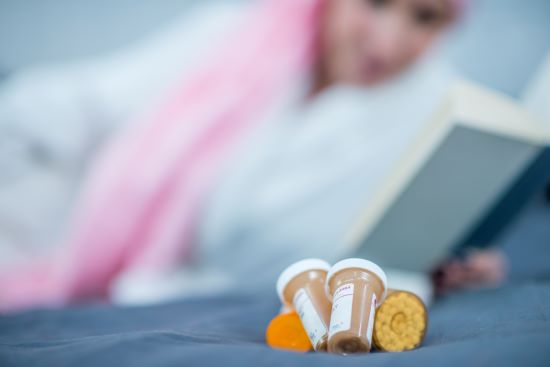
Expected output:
(356, 287)
(302, 287)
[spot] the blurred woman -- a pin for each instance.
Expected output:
(277, 122)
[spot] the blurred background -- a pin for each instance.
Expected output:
(501, 43)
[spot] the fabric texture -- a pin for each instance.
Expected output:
(500, 327)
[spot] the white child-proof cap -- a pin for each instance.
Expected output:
(296, 269)
(359, 264)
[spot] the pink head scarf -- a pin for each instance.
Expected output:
(141, 201)
(459, 6)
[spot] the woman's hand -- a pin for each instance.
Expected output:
(480, 268)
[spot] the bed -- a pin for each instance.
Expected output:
(509, 326)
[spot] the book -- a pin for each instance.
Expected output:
(537, 94)
(537, 99)
(461, 182)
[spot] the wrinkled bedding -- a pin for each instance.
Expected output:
(499, 327)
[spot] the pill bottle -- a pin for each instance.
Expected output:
(356, 288)
(302, 286)
(401, 322)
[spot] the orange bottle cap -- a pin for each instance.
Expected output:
(285, 331)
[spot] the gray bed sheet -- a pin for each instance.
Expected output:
(502, 327)
(493, 327)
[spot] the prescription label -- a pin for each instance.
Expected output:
(342, 301)
(311, 320)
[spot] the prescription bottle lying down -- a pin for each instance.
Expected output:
(302, 287)
(401, 322)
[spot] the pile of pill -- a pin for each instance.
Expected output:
(344, 309)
